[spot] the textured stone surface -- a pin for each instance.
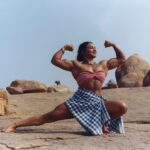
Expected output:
(3, 102)
(68, 134)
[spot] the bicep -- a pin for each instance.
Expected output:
(64, 64)
(113, 63)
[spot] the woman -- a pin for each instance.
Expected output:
(93, 112)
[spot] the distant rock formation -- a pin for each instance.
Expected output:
(3, 102)
(110, 85)
(58, 88)
(57, 82)
(132, 72)
(26, 86)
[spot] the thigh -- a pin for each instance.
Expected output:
(114, 108)
(59, 113)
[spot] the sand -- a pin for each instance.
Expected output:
(68, 134)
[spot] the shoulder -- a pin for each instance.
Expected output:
(103, 62)
(76, 62)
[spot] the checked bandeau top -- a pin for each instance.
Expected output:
(85, 76)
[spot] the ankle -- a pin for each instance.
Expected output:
(14, 125)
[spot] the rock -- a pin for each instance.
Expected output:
(26, 86)
(3, 95)
(146, 81)
(110, 85)
(132, 72)
(3, 102)
(51, 90)
(14, 90)
(58, 88)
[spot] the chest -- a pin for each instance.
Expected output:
(91, 68)
(86, 67)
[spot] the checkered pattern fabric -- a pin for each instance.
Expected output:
(89, 110)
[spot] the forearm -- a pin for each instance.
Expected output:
(119, 53)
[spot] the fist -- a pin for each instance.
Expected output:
(108, 43)
(69, 47)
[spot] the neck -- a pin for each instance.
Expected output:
(89, 61)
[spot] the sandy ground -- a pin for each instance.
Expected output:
(68, 134)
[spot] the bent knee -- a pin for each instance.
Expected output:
(123, 107)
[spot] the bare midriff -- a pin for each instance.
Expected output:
(93, 85)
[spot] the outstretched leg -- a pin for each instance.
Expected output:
(61, 112)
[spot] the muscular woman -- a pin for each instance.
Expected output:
(96, 114)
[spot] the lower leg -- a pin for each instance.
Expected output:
(32, 121)
(59, 113)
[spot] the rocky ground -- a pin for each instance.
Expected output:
(68, 134)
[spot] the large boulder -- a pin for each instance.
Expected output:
(3, 102)
(58, 88)
(146, 80)
(132, 72)
(26, 86)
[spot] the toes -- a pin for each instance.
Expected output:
(7, 130)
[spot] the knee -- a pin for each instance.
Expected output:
(123, 107)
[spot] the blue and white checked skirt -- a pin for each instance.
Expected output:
(90, 111)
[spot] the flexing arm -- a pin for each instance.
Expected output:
(120, 57)
(62, 63)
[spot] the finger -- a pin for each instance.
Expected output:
(105, 44)
(71, 47)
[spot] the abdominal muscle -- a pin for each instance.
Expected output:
(93, 85)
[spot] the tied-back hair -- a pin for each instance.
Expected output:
(81, 50)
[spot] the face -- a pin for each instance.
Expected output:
(90, 50)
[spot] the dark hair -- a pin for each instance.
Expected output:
(81, 50)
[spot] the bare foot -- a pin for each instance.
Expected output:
(9, 129)
(106, 130)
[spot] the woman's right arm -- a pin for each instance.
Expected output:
(63, 63)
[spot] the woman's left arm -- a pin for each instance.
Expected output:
(120, 57)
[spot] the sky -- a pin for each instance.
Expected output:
(31, 31)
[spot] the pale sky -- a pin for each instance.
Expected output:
(31, 31)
